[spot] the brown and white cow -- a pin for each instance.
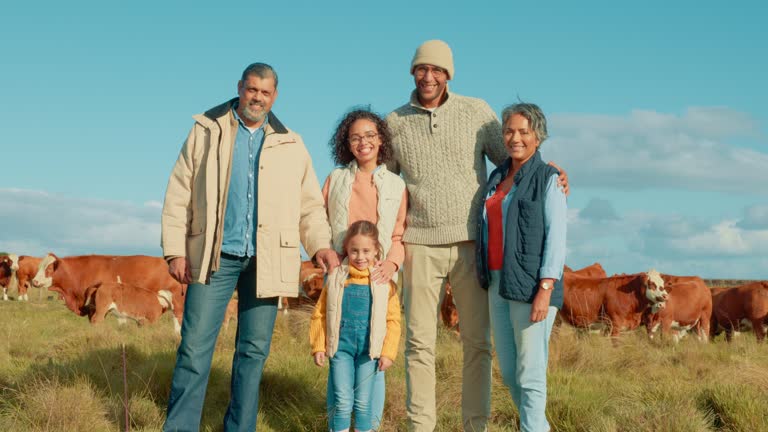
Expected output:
(125, 301)
(10, 282)
(71, 276)
(448, 311)
(28, 266)
(742, 307)
(687, 307)
(311, 280)
(592, 270)
(6, 272)
(672, 279)
(618, 301)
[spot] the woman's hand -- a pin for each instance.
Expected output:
(383, 272)
(540, 305)
(320, 358)
(384, 363)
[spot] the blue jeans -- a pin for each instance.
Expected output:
(204, 310)
(377, 399)
(522, 348)
(352, 369)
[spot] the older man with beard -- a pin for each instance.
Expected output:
(241, 197)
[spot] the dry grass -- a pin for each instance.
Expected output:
(59, 373)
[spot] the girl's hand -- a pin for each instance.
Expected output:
(383, 271)
(320, 358)
(384, 363)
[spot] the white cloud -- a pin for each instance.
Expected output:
(693, 151)
(36, 222)
(675, 244)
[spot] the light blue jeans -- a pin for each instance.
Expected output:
(377, 399)
(522, 348)
(204, 310)
(352, 369)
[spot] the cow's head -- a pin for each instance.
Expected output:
(14, 262)
(5, 266)
(654, 288)
(44, 276)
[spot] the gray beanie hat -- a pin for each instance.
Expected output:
(434, 52)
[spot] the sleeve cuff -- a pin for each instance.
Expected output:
(550, 273)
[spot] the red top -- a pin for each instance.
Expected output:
(494, 213)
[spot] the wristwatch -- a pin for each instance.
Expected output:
(546, 285)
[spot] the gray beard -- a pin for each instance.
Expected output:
(254, 116)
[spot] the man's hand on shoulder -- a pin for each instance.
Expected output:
(562, 181)
(180, 270)
(327, 259)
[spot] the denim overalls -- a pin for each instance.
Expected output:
(352, 369)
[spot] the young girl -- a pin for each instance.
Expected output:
(362, 188)
(357, 324)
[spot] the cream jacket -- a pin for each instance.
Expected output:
(390, 189)
(290, 205)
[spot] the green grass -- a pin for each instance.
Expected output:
(59, 373)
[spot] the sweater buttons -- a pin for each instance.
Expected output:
(434, 115)
(434, 126)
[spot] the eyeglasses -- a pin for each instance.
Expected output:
(357, 139)
(421, 70)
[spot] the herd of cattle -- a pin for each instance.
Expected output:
(140, 288)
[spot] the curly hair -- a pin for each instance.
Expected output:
(339, 142)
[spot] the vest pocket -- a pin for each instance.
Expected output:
(290, 257)
(530, 265)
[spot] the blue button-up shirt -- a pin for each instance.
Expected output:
(242, 211)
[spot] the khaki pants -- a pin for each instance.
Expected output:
(426, 270)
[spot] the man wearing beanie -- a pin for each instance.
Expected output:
(440, 141)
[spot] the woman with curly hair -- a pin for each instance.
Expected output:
(361, 188)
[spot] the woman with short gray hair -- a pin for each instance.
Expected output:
(520, 258)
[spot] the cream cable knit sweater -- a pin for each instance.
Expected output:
(441, 155)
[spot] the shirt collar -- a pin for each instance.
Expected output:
(414, 102)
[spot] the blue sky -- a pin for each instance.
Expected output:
(657, 111)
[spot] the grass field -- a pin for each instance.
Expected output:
(59, 373)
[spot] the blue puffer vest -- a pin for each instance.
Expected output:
(524, 234)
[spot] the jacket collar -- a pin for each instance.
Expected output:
(378, 172)
(527, 168)
(223, 110)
